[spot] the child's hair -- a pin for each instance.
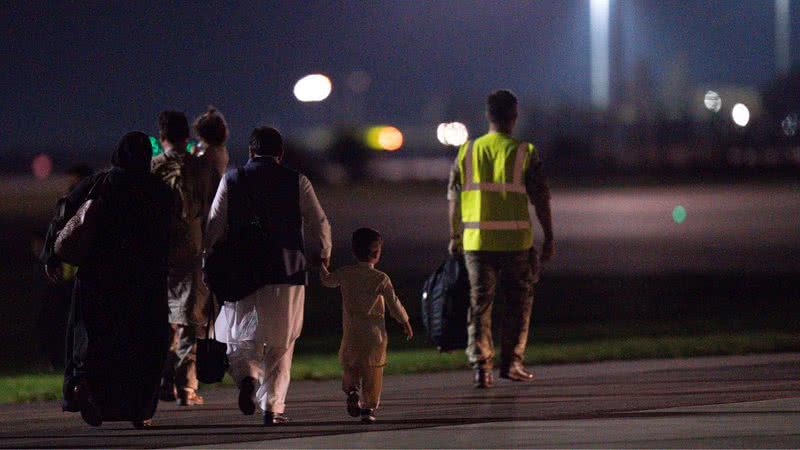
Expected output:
(363, 240)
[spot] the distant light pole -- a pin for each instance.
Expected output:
(783, 55)
(600, 54)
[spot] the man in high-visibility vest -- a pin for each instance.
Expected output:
(492, 180)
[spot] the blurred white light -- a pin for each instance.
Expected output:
(313, 88)
(454, 133)
(789, 125)
(599, 40)
(713, 101)
(740, 115)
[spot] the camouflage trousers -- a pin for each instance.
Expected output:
(514, 272)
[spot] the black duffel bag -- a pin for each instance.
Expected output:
(445, 304)
(240, 264)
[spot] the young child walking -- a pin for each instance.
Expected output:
(366, 295)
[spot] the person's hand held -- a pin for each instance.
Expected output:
(534, 263)
(548, 249)
(325, 262)
(409, 332)
(455, 246)
(53, 272)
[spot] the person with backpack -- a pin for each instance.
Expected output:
(260, 328)
(492, 180)
(189, 179)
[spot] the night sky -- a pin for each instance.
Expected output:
(83, 73)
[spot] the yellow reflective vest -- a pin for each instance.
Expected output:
(494, 202)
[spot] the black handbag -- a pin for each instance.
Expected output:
(212, 360)
(240, 264)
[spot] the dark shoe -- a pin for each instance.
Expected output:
(142, 424)
(271, 418)
(483, 378)
(90, 413)
(188, 397)
(166, 392)
(516, 372)
(367, 415)
(246, 391)
(352, 404)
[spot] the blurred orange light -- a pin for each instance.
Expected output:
(390, 138)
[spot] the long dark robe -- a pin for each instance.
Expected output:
(117, 333)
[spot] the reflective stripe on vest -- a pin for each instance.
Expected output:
(494, 208)
(498, 225)
(516, 184)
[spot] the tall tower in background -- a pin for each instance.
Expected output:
(617, 54)
(600, 61)
(783, 52)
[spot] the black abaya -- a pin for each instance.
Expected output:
(117, 334)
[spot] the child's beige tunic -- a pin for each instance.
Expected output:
(366, 294)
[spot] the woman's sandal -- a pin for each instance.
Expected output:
(142, 424)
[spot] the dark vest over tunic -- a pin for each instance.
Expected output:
(272, 192)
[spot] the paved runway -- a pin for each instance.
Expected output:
(744, 401)
(768, 423)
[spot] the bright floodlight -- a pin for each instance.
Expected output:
(454, 133)
(313, 88)
(713, 101)
(740, 115)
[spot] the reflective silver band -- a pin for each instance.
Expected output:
(519, 164)
(498, 225)
(516, 184)
(496, 187)
(468, 180)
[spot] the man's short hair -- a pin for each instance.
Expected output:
(364, 240)
(211, 127)
(501, 106)
(266, 141)
(173, 126)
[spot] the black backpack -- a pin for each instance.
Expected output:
(445, 303)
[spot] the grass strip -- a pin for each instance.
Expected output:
(315, 366)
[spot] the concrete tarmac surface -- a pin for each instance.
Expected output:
(737, 401)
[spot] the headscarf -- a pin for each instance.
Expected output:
(133, 153)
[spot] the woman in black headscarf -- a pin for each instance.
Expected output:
(117, 336)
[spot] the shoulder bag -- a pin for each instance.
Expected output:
(75, 239)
